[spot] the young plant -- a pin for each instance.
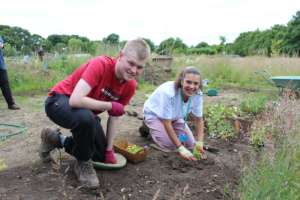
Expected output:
(2, 166)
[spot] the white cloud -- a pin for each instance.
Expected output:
(191, 20)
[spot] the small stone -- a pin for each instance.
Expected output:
(122, 190)
(183, 170)
(215, 176)
(221, 154)
(137, 169)
(234, 150)
(146, 176)
(174, 166)
(129, 195)
(165, 155)
(140, 191)
(157, 181)
(207, 190)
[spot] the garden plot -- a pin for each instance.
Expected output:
(28, 178)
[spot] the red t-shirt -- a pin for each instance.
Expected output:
(100, 74)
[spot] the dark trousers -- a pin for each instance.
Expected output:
(4, 85)
(88, 139)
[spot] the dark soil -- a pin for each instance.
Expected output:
(28, 178)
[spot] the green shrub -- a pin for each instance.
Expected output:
(9, 50)
(201, 51)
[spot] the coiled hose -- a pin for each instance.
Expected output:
(13, 133)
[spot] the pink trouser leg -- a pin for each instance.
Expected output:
(161, 137)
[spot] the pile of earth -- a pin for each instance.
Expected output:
(154, 74)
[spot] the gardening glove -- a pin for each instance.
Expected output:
(117, 109)
(186, 154)
(110, 157)
(199, 147)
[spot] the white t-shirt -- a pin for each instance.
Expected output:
(165, 103)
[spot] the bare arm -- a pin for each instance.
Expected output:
(199, 128)
(1, 45)
(112, 124)
(78, 98)
(171, 132)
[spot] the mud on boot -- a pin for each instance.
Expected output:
(144, 130)
(86, 174)
(50, 141)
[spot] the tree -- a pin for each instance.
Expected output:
(150, 43)
(292, 36)
(112, 39)
(75, 44)
(55, 39)
(25, 50)
(202, 45)
(9, 50)
(122, 44)
(23, 34)
(47, 45)
(36, 41)
(167, 46)
(59, 46)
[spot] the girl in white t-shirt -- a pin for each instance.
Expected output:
(166, 110)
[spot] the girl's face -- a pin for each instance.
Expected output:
(190, 85)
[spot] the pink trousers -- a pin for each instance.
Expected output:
(161, 137)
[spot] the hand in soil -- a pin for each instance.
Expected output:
(198, 150)
(186, 154)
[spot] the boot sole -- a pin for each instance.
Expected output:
(92, 187)
(43, 141)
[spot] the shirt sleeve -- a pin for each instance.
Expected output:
(93, 72)
(197, 111)
(168, 105)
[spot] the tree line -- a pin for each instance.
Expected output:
(279, 39)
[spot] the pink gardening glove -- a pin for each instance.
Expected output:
(110, 157)
(117, 109)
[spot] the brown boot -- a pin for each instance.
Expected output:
(86, 174)
(50, 140)
(144, 130)
(14, 107)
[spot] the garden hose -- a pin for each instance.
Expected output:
(13, 133)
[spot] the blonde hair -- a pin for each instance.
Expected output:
(139, 46)
(181, 76)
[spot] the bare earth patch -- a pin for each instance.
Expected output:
(27, 177)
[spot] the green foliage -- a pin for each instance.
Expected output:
(276, 47)
(122, 44)
(167, 46)
(132, 149)
(150, 43)
(218, 122)
(254, 104)
(258, 133)
(201, 51)
(111, 39)
(202, 45)
(25, 50)
(59, 46)
(75, 43)
(9, 50)
(47, 45)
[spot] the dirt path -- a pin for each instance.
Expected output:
(28, 178)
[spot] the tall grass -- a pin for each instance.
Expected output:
(240, 71)
(29, 76)
(273, 172)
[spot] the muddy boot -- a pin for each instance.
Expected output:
(86, 174)
(14, 107)
(144, 130)
(50, 140)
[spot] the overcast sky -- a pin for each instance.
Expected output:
(192, 21)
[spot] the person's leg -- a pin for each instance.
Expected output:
(82, 144)
(83, 125)
(6, 91)
(161, 137)
(178, 128)
(159, 134)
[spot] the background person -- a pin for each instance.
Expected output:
(41, 54)
(4, 84)
(166, 110)
(26, 58)
(102, 84)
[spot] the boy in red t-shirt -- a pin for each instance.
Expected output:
(102, 84)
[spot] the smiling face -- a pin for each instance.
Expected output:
(190, 85)
(129, 66)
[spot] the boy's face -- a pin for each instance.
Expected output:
(130, 66)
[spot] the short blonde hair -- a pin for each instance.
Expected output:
(139, 46)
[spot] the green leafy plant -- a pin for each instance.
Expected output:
(219, 120)
(132, 149)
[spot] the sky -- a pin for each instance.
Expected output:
(193, 21)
